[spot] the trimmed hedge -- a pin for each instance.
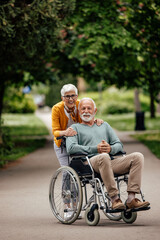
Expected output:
(117, 108)
(17, 102)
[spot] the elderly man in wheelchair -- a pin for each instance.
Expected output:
(97, 159)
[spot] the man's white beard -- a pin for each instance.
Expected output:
(87, 117)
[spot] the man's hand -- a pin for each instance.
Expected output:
(69, 132)
(104, 147)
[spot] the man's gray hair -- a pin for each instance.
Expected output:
(86, 98)
(67, 88)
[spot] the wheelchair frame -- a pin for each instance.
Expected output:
(80, 175)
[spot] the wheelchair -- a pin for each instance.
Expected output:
(78, 187)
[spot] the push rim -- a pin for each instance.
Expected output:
(65, 190)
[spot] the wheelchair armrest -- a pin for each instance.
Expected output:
(78, 155)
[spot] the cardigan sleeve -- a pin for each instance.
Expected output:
(56, 128)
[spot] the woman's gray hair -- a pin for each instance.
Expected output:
(86, 98)
(67, 88)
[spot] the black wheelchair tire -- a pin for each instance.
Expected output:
(94, 220)
(129, 216)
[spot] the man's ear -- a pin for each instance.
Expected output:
(62, 98)
(95, 110)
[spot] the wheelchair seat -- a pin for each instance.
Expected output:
(80, 167)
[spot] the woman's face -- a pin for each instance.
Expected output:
(70, 99)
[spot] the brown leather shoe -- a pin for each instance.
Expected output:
(117, 204)
(136, 203)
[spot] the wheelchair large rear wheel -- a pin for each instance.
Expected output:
(65, 195)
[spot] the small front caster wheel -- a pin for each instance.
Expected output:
(129, 216)
(92, 217)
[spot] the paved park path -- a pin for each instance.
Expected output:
(25, 212)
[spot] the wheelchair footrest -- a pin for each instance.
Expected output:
(114, 211)
(127, 210)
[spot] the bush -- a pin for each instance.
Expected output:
(117, 108)
(17, 102)
(6, 144)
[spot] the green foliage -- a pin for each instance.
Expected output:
(117, 108)
(96, 39)
(24, 125)
(113, 100)
(114, 41)
(21, 148)
(28, 37)
(126, 122)
(17, 102)
(13, 141)
(29, 27)
(152, 141)
(6, 144)
(142, 20)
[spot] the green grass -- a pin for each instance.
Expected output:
(24, 125)
(152, 141)
(21, 147)
(23, 131)
(126, 122)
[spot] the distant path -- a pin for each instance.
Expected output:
(25, 213)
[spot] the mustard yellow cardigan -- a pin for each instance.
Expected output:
(60, 120)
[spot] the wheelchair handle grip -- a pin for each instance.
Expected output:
(61, 137)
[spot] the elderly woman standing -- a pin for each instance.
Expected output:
(64, 114)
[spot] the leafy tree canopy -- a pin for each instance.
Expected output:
(28, 33)
(28, 37)
(115, 41)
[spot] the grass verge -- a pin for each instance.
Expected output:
(21, 136)
(152, 141)
(126, 122)
(21, 147)
(24, 125)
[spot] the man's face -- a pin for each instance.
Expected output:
(70, 99)
(87, 111)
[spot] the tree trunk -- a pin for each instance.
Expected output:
(137, 101)
(152, 107)
(158, 105)
(2, 90)
(100, 91)
(152, 98)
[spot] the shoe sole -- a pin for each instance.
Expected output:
(142, 206)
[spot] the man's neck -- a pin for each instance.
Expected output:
(90, 123)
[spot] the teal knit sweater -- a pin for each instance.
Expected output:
(88, 137)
